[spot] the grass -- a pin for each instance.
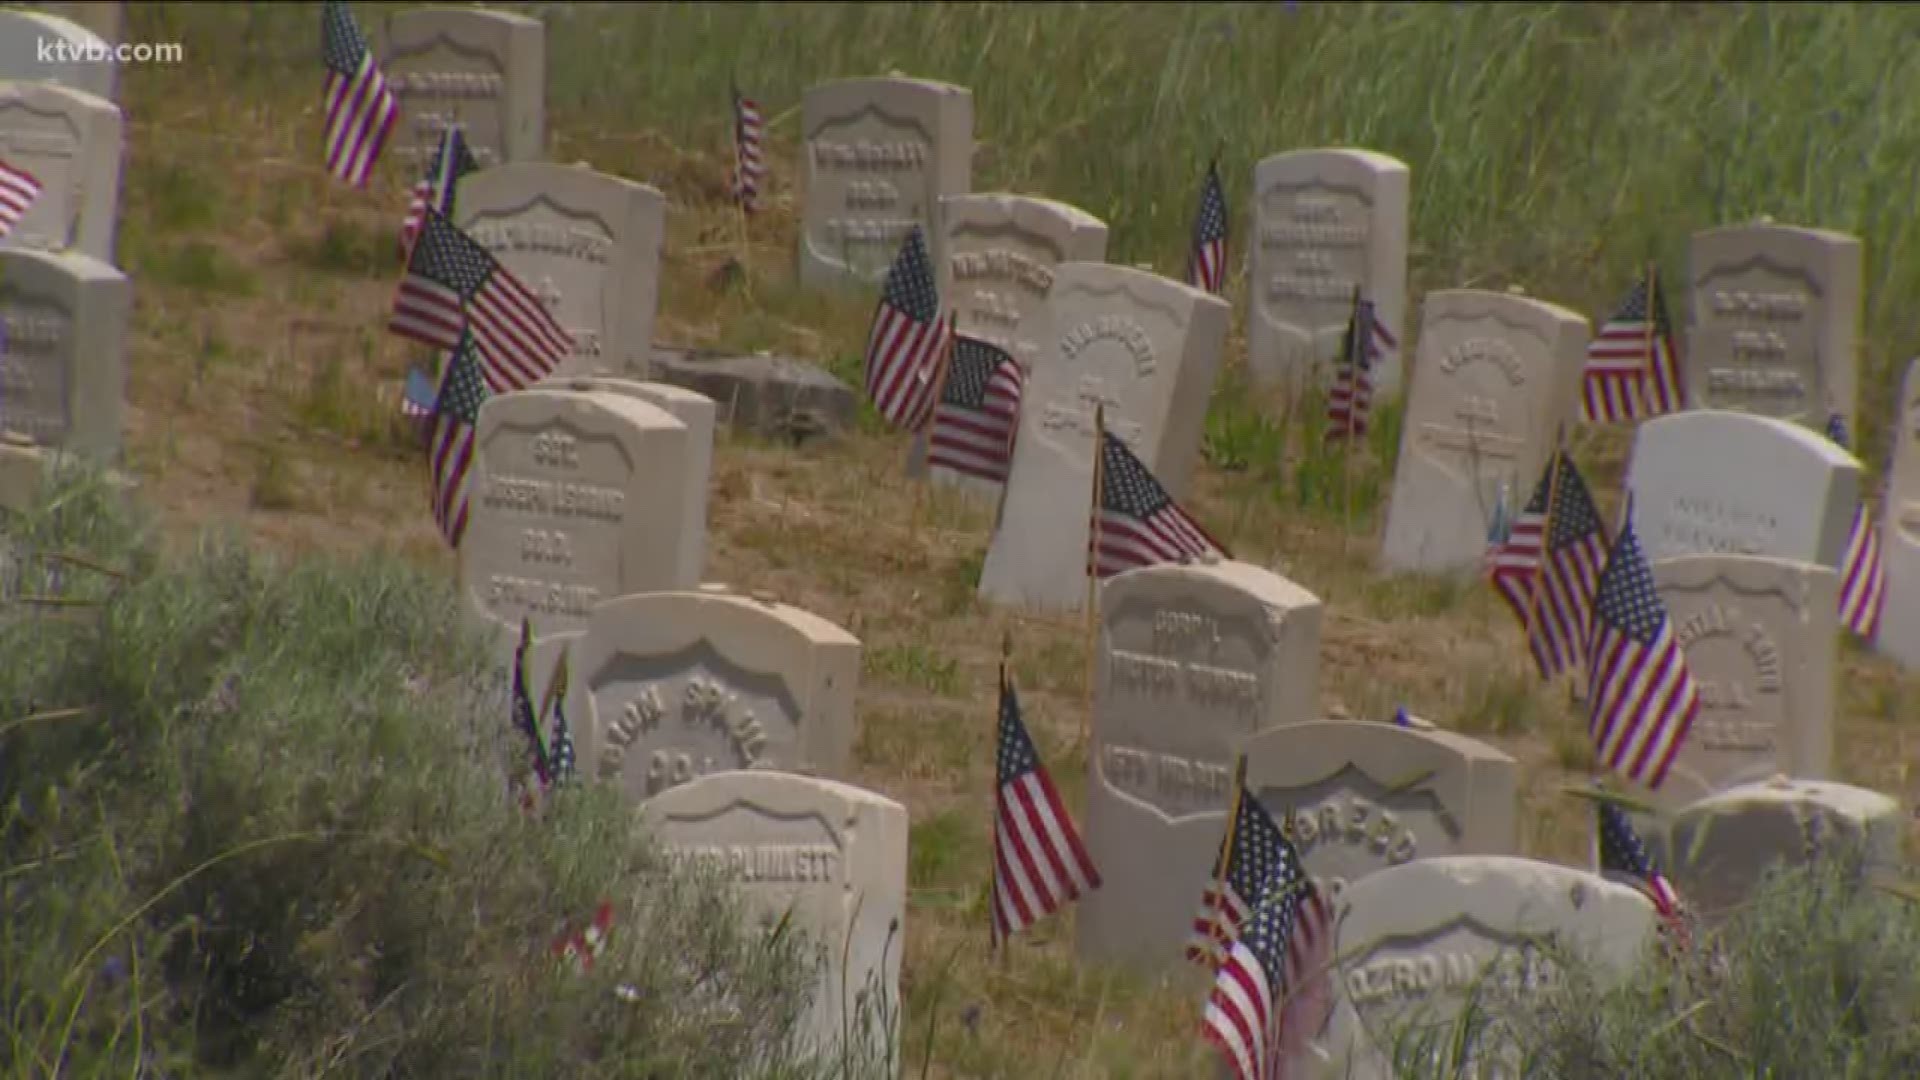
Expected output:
(1553, 146)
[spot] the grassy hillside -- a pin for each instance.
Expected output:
(1553, 146)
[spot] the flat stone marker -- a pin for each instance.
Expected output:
(674, 685)
(36, 46)
(1419, 938)
(1148, 347)
(1193, 659)
(1497, 376)
(1899, 635)
(697, 411)
(1761, 638)
(63, 358)
(1325, 221)
(486, 70)
(1715, 482)
(769, 396)
(833, 854)
(586, 243)
(576, 498)
(1775, 322)
(879, 156)
(71, 142)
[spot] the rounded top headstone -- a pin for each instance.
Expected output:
(1516, 290)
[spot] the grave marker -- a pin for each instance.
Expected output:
(71, 142)
(486, 70)
(63, 339)
(106, 19)
(698, 412)
(1899, 635)
(37, 46)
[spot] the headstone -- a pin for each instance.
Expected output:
(1775, 322)
(106, 19)
(1712, 482)
(39, 47)
(63, 341)
(1761, 640)
(1147, 347)
(696, 411)
(1193, 659)
(23, 468)
(575, 499)
(1418, 940)
(1899, 635)
(485, 70)
(71, 142)
(832, 855)
(1325, 221)
(1496, 378)
(769, 396)
(586, 243)
(878, 156)
(674, 685)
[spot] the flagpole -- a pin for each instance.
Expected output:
(1093, 559)
(993, 882)
(1354, 352)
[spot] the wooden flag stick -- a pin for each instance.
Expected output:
(1226, 841)
(1093, 559)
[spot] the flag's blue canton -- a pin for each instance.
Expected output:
(420, 389)
(1574, 517)
(464, 162)
(1401, 718)
(1270, 928)
(562, 741)
(1126, 486)
(451, 258)
(1620, 848)
(1261, 857)
(1627, 600)
(465, 389)
(1837, 430)
(343, 47)
(910, 282)
(1017, 756)
(973, 364)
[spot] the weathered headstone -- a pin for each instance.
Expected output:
(1193, 659)
(1325, 221)
(1899, 635)
(1775, 322)
(769, 396)
(63, 340)
(1760, 637)
(104, 18)
(696, 411)
(70, 141)
(586, 243)
(1495, 381)
(674, 685)
(832, 855)
(1715, 482)
(1147, 347)
(485, 70)
(576, 498)
(36, 46)
(878, 156)
(1419, 940)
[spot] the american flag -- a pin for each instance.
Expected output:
(453, 285)
(361, 110)
(1621, 852)
(523, 718)
(563, 753)
(417, 400)
(907, 339)
(1272, 993)
(583, 947)
(1039, 863)
(747, 165)
(436, 188)
(456, 413)
(1643, 697)
(1136, 523)
(1350, 399)
(1632, 369)
(1254, 861)
(1565, 578)
(1863, 578)
(18, 189)
(1207, 263)
(979, 411)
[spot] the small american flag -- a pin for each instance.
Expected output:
(747, 165)
(1632, 369)
(1252, 864)
(456, 413)
(1136, 523)
(1207, 263)
(1272, 993)
(1643, 697)
(1566, 578)
(1621, 852)
(563, 753)
(1039, 863)
(907, 339)
(1350, 399)
(1863, 577)
(453, 285)
(18, 190)
(979, 412)
(361, 110)
(524, 721)
(416, 402)
(437, 186)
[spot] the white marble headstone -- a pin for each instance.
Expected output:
(63, 342)
(70, 141)
(36, 46)
(484, 70)
(1899, 635)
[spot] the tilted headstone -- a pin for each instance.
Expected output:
(877, 157)
(485, 70)
(36, 46)
(1147, 347)
(1775, 322)
(70, 141)
(832, 855)
(697, 412)
(587, 244)
(1325, 221)
(1899, 635)
(1761, 640)
(1193, 659)
(1713, 482)
(674, 685)
(1495, 381)
(1419, 940)
(63, 342)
